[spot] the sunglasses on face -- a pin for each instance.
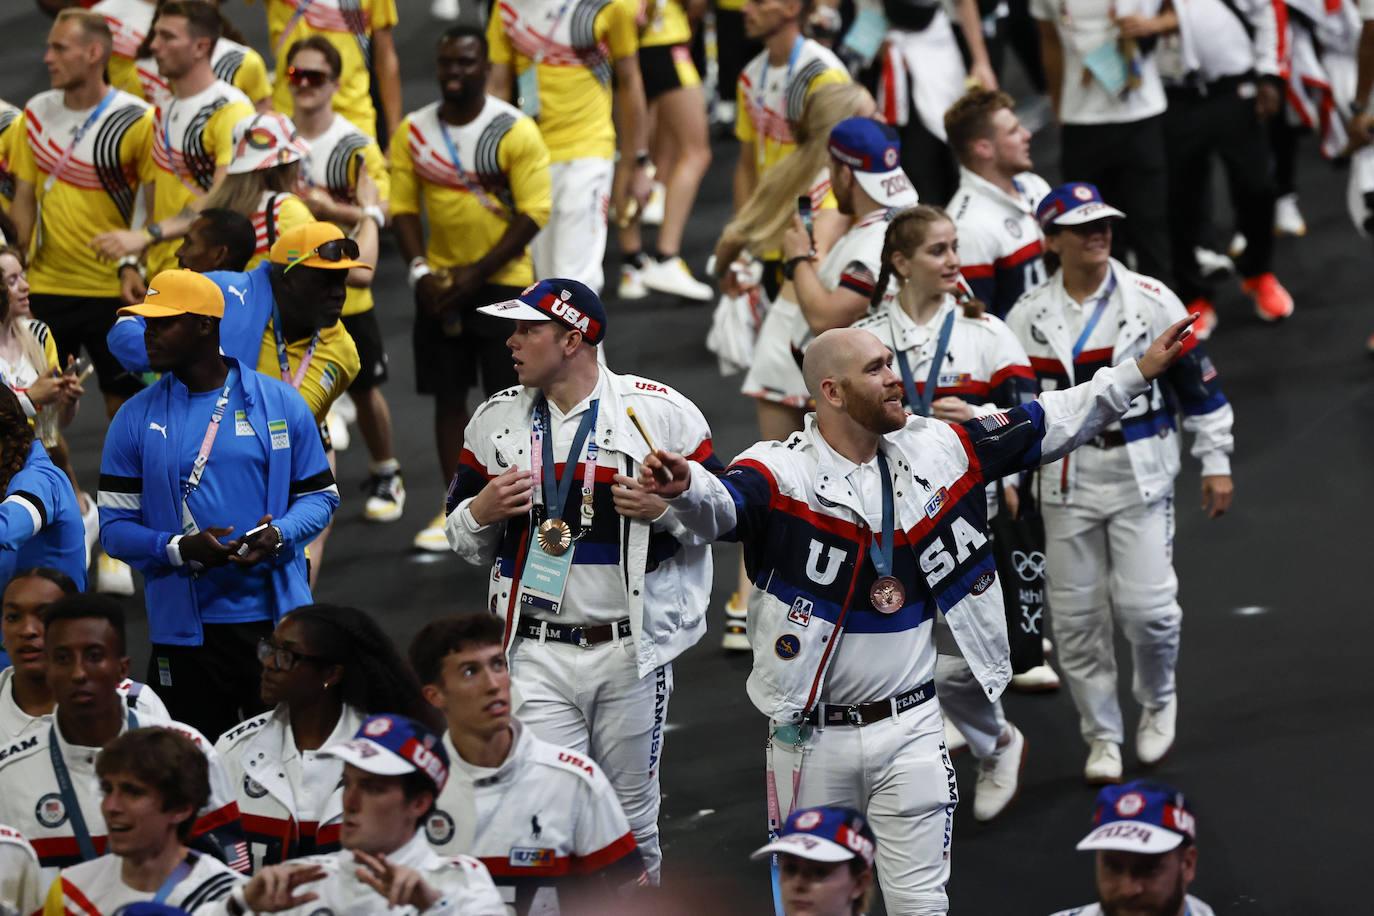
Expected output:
(299, 77)
(333, 251)
(282, 659)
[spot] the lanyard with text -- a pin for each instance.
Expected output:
(474, 187)
(77, 137)
(177, 876)
(69, 800)
(887, 594)
(1096, 316)
(920, 403)
(552, 493)
(188, 522)
(283, 362)
(792, 57)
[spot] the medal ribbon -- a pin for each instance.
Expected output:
(64, 788)
(554, 493)
(920, 403)
(282, 361)
(1096, 316)
(882, 555)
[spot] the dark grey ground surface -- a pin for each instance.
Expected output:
(1275, 723)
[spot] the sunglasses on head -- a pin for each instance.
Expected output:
(297, 76)
(333, 251)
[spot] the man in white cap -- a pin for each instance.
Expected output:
(823, 862)
(394, 769)
(1144, 837)
(870, 186)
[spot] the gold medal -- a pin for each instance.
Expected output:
(887, 595)
(555, 537)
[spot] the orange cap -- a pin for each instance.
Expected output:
(179, 292)
(297, 246)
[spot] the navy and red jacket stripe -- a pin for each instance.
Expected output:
(285, 839)
(999, 284)
(1009, 386)
(777, 531)
(617, 865)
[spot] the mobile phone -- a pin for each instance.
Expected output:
(243, 547)
(80, 368)
(804, 211)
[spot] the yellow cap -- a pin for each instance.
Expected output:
(179, 292)
(296, 246)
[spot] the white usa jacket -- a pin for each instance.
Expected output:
(1140, 309)
(789, 507)
(666, 567)
(16, 724)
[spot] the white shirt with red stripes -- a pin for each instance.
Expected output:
(96, 888)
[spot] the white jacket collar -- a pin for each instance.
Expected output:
(977, 184)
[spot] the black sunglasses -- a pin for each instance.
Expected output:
(333, 251)
(299, 77)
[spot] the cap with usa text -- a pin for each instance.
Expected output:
(825, 834)
(391, 745)
(1074, 204)
(567, 302)
(1140, 816)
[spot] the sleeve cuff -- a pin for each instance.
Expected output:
(469, 522)
(174, 550)
(1216, 464)
(1128, 376)
(30, 409)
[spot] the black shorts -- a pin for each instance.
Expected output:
(665, 68)
(367, 336)
(448, 366)
(83, 321)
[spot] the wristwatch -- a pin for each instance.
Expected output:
(281, 541)
(789, 267)
(154, 231)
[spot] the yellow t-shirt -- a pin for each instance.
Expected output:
(666, 24)
(288, 212)
(94, 191)
(331, 370)
(200, 131)
(333, 165)
(346, 31)
(770, 99)
(574, 73)
(502, 153)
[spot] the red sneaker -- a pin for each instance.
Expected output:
(1272, 301)
(1207, 317)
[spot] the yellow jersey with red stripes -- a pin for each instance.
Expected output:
(95, 888)
(349, 26)
(277, 212)
(573, 46)
(770, 99)
(92, 190)
(238, 65)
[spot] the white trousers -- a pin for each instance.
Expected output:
(898, 773)
(595, 702)
(573, 242)
(981, 721)
(1109, 559)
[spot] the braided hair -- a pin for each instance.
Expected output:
(16, 437)
(905, 233)
(376, 679)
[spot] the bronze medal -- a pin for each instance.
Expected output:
(555, 537)
(887, 595)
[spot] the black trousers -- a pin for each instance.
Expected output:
(1221, 123)
(1127, 163)
(928, 162)
(213, 686)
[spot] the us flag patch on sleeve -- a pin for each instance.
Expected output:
(993, 421)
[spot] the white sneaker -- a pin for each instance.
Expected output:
(723, 113)
(338, 430)
(999, 777)
(652, 214)
(432, 538)
(1212, 262)
(386, 498)
(955, 742)
(446, 10)
(1104, 764)
(1040, 679)
(90, 520)
(113, 577)
(736, 636)
(1288, 218)
(631, 283)
(674, 277)
(1154, 737)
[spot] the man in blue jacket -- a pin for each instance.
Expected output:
(212, 449)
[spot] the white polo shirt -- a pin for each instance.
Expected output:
(1084, 26)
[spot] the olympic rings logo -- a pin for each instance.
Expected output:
(1029, 566)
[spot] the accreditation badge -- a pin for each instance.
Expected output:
(545, 577)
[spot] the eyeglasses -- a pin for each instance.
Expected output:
(299, 77)
(333, 251)
(282, 659)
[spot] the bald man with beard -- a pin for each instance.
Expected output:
(857, 530)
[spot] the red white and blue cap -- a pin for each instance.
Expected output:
(823, 835)
(567, 302)
(389, 745)
(873, 150)
(1074, 204)
(1142, 817)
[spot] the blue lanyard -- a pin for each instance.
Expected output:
(551, 485)
(474, 187)
(1096, 316)
(763, 79)
(882, 555)
(78, 136)
(64, 788)
(177, 876)
(920, 404)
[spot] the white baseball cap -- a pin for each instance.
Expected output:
(264, 141)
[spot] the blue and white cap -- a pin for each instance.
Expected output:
(1074, 204)
(1141, 816)
(824, 835)
(391, 745)
(873, 150)
(573, 305)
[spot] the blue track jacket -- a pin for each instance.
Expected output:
(40, 521)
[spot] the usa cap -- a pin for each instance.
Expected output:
(390, 745)
(179, 292)
(873, 151)
(827, 834)
(264, 141)
(1074, 204)
(567, 302)
(1142, 817)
